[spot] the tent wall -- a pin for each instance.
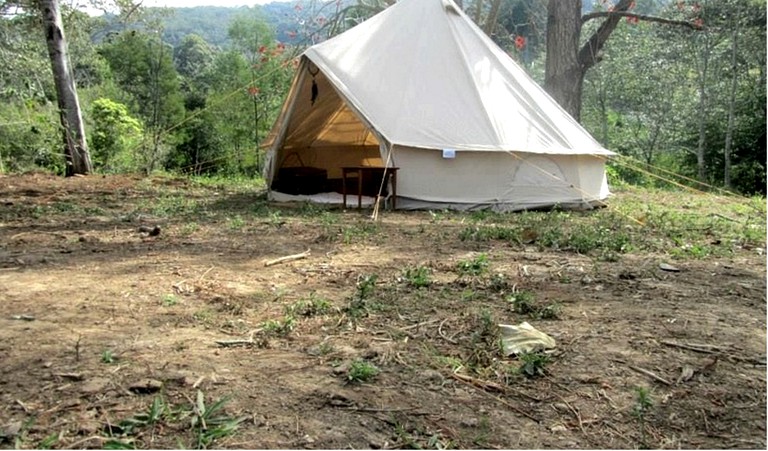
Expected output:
(502, 181)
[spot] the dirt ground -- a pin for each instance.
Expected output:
(98, 320)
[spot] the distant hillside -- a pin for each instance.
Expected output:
(212, 22)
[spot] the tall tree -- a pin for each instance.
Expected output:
(76, 147)
(566, 63)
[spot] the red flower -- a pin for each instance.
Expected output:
(632, 20)
(281, 46)
(262, 49)
(254, 91)
(699, 22)
(520, 42)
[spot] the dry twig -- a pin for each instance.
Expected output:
(288, 258)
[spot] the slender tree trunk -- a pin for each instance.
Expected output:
(493, 17)
(703, 108)
(731, 105)
(564, 77)
(76, 147)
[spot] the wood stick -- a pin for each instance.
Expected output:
(513, 407)
(288, 258)
(649, 373)
(707, 349)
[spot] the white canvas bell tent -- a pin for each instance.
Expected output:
(420, 87)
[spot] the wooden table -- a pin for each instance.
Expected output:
(373, 170)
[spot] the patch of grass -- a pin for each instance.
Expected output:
(279, 328)
(313, 305)
(359, 232)
(236, 223)
(361, 371)
(189, 228)
(360, 303)
(209, 424)
(533, 364)
(524, 303)
(170, 300)
(488, 233)
(483, 432)
(417, 276)
(474, 267)
(485, 341)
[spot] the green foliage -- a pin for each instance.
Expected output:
(115, 137)
(360, 303)
(417, 277)
(313, 305)
(279, 328)
(108, 357)
(475, 267)
(361, 371)
(210, 424)
(643, 405)
(533, 364)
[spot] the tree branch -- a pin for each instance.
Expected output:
(683, 23)
(589, 53)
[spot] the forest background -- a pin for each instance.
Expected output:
(196, 90)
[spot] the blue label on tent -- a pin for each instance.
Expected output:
(449, 153)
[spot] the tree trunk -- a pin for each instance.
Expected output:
(731, 105)
(564, 77)
(566, 64)
(76, 148)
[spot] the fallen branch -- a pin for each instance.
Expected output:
(712, 349)
(288, 258)
(575, 414)
(485, 385)
(414, 326)
(461, 378)
(707, 349)
(440, 331)
(231, 343)
(649, 373)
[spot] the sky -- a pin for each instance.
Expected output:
(190, 3)
(184, 3)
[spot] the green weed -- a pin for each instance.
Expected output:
(108, 357)
(361, 371)
(170, 300)
(474, 267)
(236, 223)
(279, 328)
(313, 305)
(209, 424)
(643, 404)
(533, 364)
(417, 277)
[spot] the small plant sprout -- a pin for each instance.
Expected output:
(108, 357)
(169, 300)
(643, 404)
(361, 371)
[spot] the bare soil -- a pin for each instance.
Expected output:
(98, 319)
